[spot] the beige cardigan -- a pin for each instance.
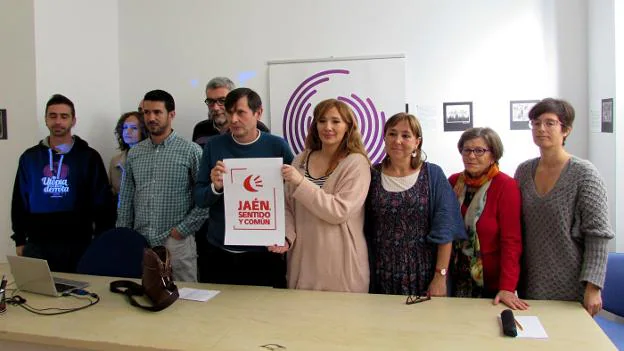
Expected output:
(116, 170)
(326, 229)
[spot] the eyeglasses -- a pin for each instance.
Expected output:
(549, 123)
(478, 152)
(211, 102)
(412, 299)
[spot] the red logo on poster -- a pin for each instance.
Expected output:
(252, 183)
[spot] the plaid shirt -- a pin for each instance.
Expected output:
(157, 189)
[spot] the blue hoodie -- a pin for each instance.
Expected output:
(61, 197)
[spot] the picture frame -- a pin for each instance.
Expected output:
(519, 114)
(457, 116)
(3, 124)
(606, 116)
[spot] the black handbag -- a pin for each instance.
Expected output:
(157, 281)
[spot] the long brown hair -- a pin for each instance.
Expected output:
(416, 129)
(143, 133)
(352, 140)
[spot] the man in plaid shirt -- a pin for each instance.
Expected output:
(156, 197)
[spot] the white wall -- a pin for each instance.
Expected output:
(17, 96)
(601, 69)
(486, 51)
(619, 121)
(77, 55)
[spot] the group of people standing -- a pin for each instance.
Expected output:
(399, 227)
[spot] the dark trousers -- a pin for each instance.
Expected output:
(61, 256)
(246, 268)
(202, 257)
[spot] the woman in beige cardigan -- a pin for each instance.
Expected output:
(326, 189)
(130, 130)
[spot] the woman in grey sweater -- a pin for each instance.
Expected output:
(564, 214)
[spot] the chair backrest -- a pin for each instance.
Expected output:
(115, 253)
(613, 292)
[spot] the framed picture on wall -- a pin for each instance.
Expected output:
(457, 116)
(3, 124)
(606, 116)
(519, 113)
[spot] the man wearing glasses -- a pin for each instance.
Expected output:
(216, 91)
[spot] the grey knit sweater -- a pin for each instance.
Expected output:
(565, 231)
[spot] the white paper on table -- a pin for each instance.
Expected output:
(197, 294)
(253, 192)
(532, 328)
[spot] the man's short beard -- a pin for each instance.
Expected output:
(219, 121)
(62, 133)
(159, 131)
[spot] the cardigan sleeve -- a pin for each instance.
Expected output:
(508, 210)
(592, 206)
(111, 166)
(289, 204)
(349, 196)
(444, 213)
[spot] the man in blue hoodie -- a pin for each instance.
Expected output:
(61, 196)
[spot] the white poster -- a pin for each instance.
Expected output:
(253, 192)
(373, 87)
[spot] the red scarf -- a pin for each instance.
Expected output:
(477, 182)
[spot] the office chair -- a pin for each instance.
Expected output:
(115, 253)
(613, 300)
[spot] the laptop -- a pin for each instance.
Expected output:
(33, 275)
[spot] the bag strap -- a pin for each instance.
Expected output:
(131, 289)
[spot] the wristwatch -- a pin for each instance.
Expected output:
(442, 271)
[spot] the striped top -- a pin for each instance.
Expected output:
(317, 181)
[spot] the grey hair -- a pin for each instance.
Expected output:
(490, 137)
(220, 82)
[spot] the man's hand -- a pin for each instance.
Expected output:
(19, 250)
(176, 234)
(216, 175)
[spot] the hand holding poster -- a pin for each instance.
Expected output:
(254, 202)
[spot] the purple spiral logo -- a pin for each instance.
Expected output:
(298, 115)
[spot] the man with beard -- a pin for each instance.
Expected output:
(216, 91)
(61, 196)
(156, 193)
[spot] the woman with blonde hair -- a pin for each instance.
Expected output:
(412, 216)
(325, 194)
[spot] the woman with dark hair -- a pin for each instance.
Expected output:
(488, 263)
(130, 130)
(325, 193)
(412, 216)
(564, 214)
